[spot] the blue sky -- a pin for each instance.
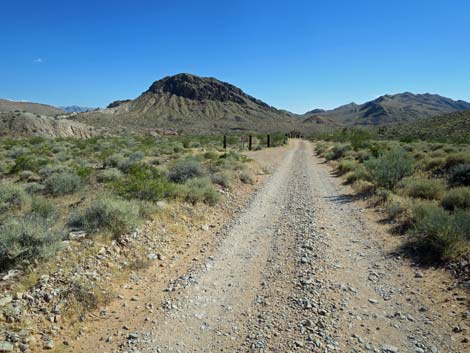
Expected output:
(295, 55)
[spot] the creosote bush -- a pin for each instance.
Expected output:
(390, 167)
(144, 183)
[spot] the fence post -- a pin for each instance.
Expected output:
(269, 140)
(225, 142)
(250, 142)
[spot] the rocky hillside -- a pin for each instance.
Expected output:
(451, 128)
(192, 104)
(24, 124)
(404, 107)
(34, 108)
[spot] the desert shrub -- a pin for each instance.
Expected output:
(363, 155)
(12, 196)
(390, 167)
(17, 151)
(434, 163)
(178, 149)
(43, 208)
(359, 172)
(109, 214)
(338, 151)
(107, 175)
(33, 188)
(457, 158)
(345, 166)
(32, 163)
(184, 170)
(459, 175)
(51, 169)
(63, 156)
(144, 183)
(137, 156)
(439, 235)
(456, 198)
(430, 189)
(63, 183)
(147, 208)
(27, 238)
(211, 155)
(246, 178)
(399, 209)
(4, 167)
(114, 160)
(222, 179)
(26, 175)
(199, 190)
(364, 188)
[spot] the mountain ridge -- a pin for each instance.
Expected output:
(392, 108)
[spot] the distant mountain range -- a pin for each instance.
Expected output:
(403, 107)
(76, 109)
(193, 104)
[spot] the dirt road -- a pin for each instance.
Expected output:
(304, 268)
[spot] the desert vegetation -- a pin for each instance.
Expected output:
(422, 186)
(104, 186)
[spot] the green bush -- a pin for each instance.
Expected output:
(345, 166)
(438, 234)
(390, 167)
(114, 160)
(12, 196)
(109, 214)
(339, 151)
(199, 190)
(33, 188)
(460, 175)
(51, 169)
(27, 238)
(457, 198)
(184, 170)
(32, 163)
(107, 175)
(43, 208)
(358, 172)
(63, 183)
(434, 163)
(430, 189)
(144, 183)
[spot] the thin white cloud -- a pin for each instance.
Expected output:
(38, 60)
